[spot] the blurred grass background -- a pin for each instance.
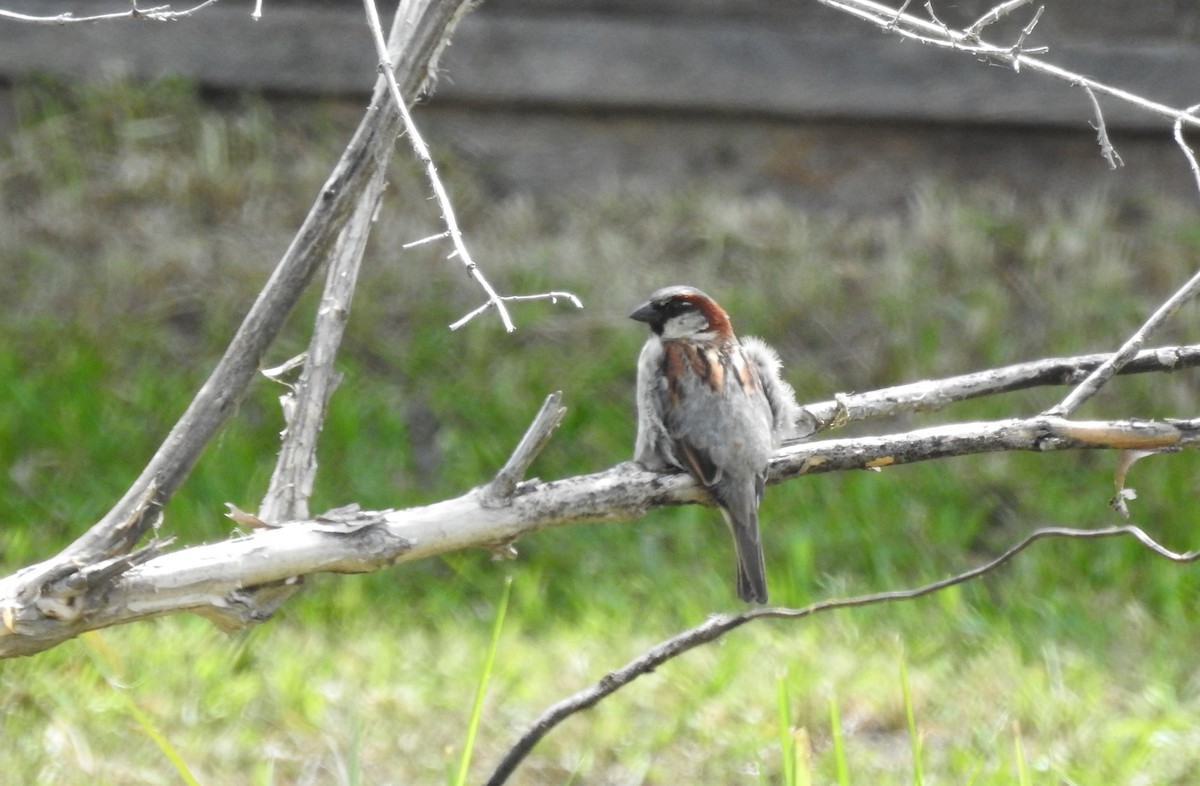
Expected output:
(137, 224)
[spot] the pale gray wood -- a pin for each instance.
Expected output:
(213, 579)
(39, 600)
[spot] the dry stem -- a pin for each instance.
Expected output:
(718, 625)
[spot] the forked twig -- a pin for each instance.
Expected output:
(1092, 384)
(1103, 373)
(718, 625)
(1185, 147)
(933, 33)
(1018, 47)
(160, 13)
(421, 151)
(995, 14)
(937, 33)
(553, 297)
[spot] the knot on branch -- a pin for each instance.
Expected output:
(73, 590)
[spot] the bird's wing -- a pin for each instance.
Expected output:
(780, 395)
(652, 449)
(699, 462)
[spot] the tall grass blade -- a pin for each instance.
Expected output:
(913, 735)
(839, 748)
(1023, 777)
(107, 664)
(485, 675)
(787, 745)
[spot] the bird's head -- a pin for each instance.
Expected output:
(682, 312)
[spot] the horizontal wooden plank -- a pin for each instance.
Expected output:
(703, 63)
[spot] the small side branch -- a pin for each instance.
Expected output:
(453, 233)
(1185, 147)
(305, 406)
(421, 151)
(548, 418)
(995, 14)
(161, 13)
(1109, 368)
(934, 395)
(553, 297)
(934, 33)
(1106, 147)
(718, 625)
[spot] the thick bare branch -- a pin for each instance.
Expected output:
(213, 579)
(421, 24)
(718, 625)
(305, 405)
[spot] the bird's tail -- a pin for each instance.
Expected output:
(751, 572)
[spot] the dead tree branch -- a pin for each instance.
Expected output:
(159, 13)
(453, 233)
(215, 579)
(304, 406)
(718, 625)
(1106, 370)
(1185, 147)
(934, 33)
(934, 395)
(420, 25)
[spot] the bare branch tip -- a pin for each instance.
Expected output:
(500, 491)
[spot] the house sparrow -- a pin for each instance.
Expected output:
(715, 406)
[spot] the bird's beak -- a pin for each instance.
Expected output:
(645, 313)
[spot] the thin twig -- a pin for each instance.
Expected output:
(925, 31)
(934, 395)
(933, 16)
(1185, 147)
(553, 297)
(1018, 48)
(994, 15)
(899, 12)
(1106, 147)
(549, 416)
(161, 13)
(718, 625)
(1096, 380)
(421, 151)
(424, 240)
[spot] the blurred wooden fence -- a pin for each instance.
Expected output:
(749, 61)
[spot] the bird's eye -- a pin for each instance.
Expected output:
(674, 308)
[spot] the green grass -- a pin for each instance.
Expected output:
(135, 227)
(485, 674)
